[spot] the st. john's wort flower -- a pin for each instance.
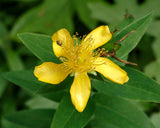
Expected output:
(80, 59)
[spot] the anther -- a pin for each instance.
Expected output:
(76, 34)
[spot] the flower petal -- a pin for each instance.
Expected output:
(50, 72)
(98, 37)
(62, 41)
(110, 70)
(80, 91)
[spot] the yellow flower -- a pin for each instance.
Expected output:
(80, 59)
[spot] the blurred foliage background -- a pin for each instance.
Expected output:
(47, 16)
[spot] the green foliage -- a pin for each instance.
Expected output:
(155, 119)
(135, 88)
(39, 102)
(53, 15)
(139, 87)
(71, 118)
(116, 112)
(138, 27)
(39, 118)
(131, 9)
(39, 105)
(153, 70)
(40, 46)
(48, 15)
(3, 85)
(28, 81)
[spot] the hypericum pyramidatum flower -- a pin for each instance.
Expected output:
(79, 59)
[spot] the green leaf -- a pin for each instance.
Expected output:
(14, 61)
(67, 117)
(134, 29)
(129, 43)
(13, 58)
(139, 87)
(155, 118)
(45, 18)
(153, 70)
(28, 81)
(3, 85)
(3, 36)
(39, 102)
(84, 13)
(154, 28)
(38, 118)
(3, 30)
(109, 46)
(40, 45)
(114, 13)
(156, 47)
(126, 21)
(24, 79)
(3, 82)
(114, 112)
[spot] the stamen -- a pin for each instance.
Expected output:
(84, 36)
(81, 57)
(77, 34)
(63, 59)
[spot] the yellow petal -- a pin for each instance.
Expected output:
(110, 70)
(80, 91)
(51, 73)
(98, 37)
(62, 41)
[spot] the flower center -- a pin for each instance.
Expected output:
(80, 58)
(80, 61)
